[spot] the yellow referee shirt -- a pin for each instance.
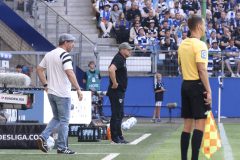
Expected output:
(191, 51)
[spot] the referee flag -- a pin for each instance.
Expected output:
(211, 139)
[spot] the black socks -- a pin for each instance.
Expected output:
(196, 143)
(185, 137)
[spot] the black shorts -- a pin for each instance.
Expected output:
(193, 104)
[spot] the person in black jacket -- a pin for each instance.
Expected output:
(116, 91)
(131, 13)
(158, 90)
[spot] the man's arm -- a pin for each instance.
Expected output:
(42, 76)
(203, 74)
(112, 74)
(72, 78)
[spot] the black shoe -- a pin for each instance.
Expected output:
(65, 151)
(42, 144)
(122, 140)
(116, 140)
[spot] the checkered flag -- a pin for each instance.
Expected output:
(211, 140)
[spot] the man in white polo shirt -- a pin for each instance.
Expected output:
(60, 76)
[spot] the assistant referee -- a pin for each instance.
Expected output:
(196, 90)
(116, 90)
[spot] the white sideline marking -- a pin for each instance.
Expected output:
(111, 156)
(41, 153)
(226, 147)
(135, 142)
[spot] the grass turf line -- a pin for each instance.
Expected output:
(170, 149)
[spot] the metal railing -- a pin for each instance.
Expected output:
(166, 61)
(31, 62)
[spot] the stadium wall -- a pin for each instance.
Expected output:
(139, 99)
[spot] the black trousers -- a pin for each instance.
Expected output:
(117, 102)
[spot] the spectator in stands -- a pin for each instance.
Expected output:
(115, 13)
(224, 42)
(220, 29)
(137, 18)
(30, 7)
(213, 37)
(122, 28)
(26, 70)
(20, 5)
(171, 57)
(234, 23)
(152, 18)
(237, 37)
(131, 13)
(162, 31)
(166, 18)
(100, 7)
(142, 44)
(190, 5)
(129, 4)
(184, 36)
(19, 68)
(208, 16)
(214, 47)
(146, 9)
(112, 2)
(230, 4)
(184, 26)
(105, 23)
(168, 36)
(214, 58)
(152, 34)
(134, 31)
(162, 7)
(177, 20)
(94, 3)
(217, 11)
(158, 90)
(209, 29)
(223, 19)
(177, 9)
(232, 56)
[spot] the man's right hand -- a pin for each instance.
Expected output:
(115, 85)
(207, 98)
(80, 95)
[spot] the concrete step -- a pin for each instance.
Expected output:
(107, 40)
(76, 19)
(81, 12)
(52, 24)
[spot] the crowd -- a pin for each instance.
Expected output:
(153, 25)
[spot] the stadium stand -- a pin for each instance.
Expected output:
(170, 23)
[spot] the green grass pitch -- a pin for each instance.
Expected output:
(163, 144)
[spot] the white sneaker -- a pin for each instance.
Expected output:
(108, 35)
(238, 75)
(233, 75)
(104, 35)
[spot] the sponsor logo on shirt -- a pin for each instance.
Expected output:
(203, 54)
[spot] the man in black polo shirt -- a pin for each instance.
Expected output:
(116, 90)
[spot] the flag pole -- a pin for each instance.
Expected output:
(220, 82)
